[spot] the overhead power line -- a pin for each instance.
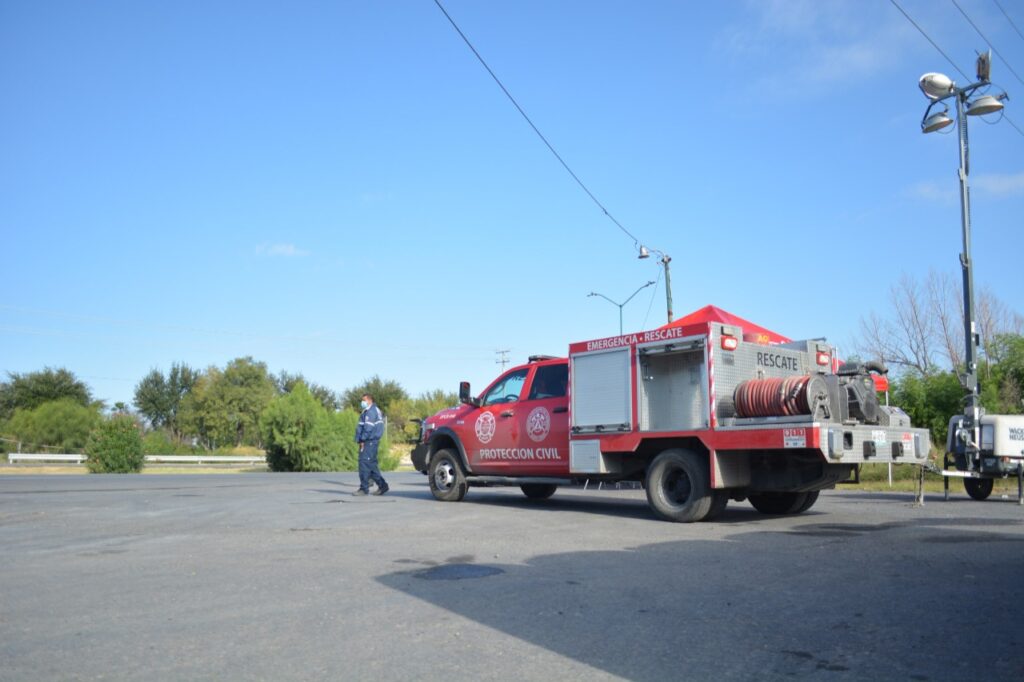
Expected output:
(929, 38)
(512, 99)
(1009, 19)
(987, 41)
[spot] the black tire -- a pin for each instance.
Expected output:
(978, 488)
(538, 491)
(778, 503)
(812, 497)
(678, 486)
(447, 482)
(719, 499)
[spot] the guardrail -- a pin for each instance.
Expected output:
(207, 459)
(153, 459)
(44, 457)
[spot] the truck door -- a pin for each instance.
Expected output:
(492, 443)
(543, 420)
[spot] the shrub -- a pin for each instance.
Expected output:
(159, 442)
(302, 435)
(115, 447)
(60, 424)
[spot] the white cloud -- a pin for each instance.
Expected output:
(998, 185)
(933, 192)
(993, 185)
(282, 250)
(825, 43)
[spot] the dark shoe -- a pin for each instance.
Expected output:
(381, 491)
(359, 493)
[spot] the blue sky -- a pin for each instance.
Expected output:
(340, 189)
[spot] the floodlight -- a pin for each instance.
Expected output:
(936, 122)
(935, 85)
(644, 253)
(986, 104)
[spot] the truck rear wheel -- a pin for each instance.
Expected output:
(978, 488)
(779, 503)
(447, 482)
(538, 491)
(677, 486)
(719, 499)
(809, 502)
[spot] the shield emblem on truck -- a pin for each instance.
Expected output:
(538, 424)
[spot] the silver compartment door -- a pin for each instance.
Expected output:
(601, 391)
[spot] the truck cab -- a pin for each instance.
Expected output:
(519, 423)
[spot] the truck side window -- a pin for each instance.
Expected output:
(507, 389)
(549, 382)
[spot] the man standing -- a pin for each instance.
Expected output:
(369, 431)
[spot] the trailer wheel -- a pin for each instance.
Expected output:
(779, 503)
(447, 482)
(538, 491)
(978, 488)
(677, 486)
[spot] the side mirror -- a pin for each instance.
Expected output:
(465, 396)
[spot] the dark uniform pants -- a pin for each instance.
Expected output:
(369, 469)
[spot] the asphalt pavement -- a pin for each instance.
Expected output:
(288, 577)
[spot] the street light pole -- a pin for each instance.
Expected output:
(938, 88)
(973, 405)
(664, 260)
(621, 305)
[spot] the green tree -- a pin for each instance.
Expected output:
(59, 424)
(223, 408)
(286, 382)
(930, 402)
(115, 447)
(403, 419)
(384, 393)
(29, 391)
(159, 398)
(1003, 390)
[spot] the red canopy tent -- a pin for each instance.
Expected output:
(751, 331)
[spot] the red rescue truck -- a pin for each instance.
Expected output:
(699, 413)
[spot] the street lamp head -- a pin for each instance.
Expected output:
(644, 253)
(936, 122)
(986, 104)
(936, 85)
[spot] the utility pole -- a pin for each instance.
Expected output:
(502, 358)
(664, 259)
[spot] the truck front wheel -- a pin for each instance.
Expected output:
(447, 482)
(677, 486)
(978, 488)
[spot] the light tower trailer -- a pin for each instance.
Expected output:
(999, 454)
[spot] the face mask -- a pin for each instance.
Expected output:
(363, 404)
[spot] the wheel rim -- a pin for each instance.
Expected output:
(677, 486)
(444, 476)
